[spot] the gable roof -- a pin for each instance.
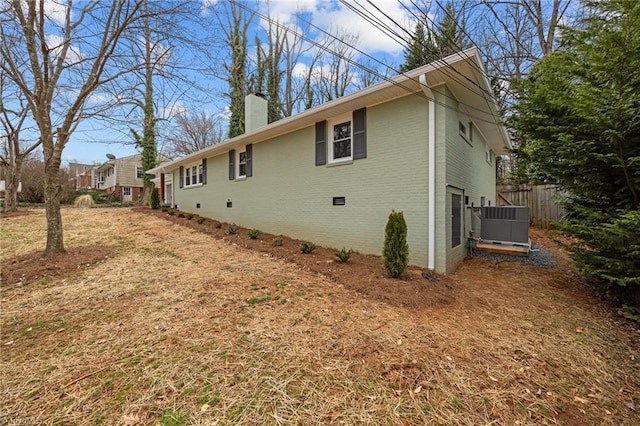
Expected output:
(135, 157)
(462, 72)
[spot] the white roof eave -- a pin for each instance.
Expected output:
(400, 85)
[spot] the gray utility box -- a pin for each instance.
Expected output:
(506, 224)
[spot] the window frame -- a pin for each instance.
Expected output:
(239, 164)
(139, 172)
(193, 175)
(331, 124)
(126, 189)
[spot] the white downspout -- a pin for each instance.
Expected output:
(431, 220)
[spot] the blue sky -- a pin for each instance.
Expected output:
(94, 139)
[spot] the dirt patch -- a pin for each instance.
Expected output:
(19, 212)
(364, 274)
(24, 269)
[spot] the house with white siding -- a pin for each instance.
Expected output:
(122, 177)
(423, 143)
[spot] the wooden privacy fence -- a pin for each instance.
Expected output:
(542, 200)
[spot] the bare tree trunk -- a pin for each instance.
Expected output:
(52, 195)
(12, 182)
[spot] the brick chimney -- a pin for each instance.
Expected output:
(255, 112)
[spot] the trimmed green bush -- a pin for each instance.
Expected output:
(277, 242)
(307, 247)
(396, 250)
(253, 233)
(343, 254)
(232, 229)
(155, 199)
(201, 220)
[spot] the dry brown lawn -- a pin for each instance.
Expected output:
(147, 321)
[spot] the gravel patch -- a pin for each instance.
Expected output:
(537, 257)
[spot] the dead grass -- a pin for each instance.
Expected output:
(175, 324)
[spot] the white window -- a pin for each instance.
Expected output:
(340, 140)
(101, 177)
(139, 172)
(241, 164)
(126, 191)
(193, 175)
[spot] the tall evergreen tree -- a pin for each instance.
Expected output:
(433, 40)
(578, 122)
(420, 51)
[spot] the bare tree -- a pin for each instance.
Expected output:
(58, 63)
(513, 35)
(166, 43)
(14, 150)
(234, 19)
(193, 132)
(334, 76)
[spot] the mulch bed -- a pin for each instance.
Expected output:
(33, 266)
(362, 273)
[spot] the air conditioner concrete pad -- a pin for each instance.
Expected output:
(512, 250)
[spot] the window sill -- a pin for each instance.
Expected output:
(198, 185)
(340, 162)
(240, 179)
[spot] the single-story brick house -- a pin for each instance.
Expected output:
(423, 143)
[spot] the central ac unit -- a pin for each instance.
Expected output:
(505, 224)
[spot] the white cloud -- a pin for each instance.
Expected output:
(205, 5)
(174, 109)
(334, 17)
(300, 69)
(55, 10)
(55, 43)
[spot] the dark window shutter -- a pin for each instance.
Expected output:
(232, 164)
(204, 171)
(321, 143)
(181, 176)
(360, 133)
(249, 151)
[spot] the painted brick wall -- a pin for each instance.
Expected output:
(468, 170)
(289, 195)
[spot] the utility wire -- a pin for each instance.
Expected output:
(446, 66)
(364, 67)
(393, 34)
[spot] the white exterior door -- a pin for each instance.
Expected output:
(126, 194)
(168, 193)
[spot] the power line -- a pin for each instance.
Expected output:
(364, 67)
(440, 60)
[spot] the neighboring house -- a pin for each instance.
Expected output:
(82, 176)
(423, 143)
(122, 177)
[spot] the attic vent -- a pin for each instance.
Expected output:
(506, 224)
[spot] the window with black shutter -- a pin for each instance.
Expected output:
(232, 164)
